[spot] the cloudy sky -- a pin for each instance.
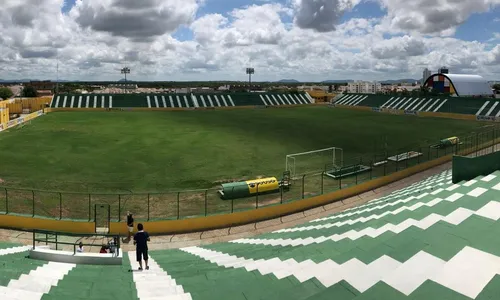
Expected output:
(310, 40)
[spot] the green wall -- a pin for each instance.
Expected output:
(467, 168)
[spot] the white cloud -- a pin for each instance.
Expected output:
(97, 37)
(432, 16)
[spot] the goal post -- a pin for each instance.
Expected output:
(314, 162)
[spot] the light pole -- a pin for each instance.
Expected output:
(125, 71)
(250, 71)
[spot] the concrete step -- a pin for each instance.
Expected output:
(17, 294)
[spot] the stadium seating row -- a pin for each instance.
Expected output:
(470, 106)
(178, 100)
(431, 240)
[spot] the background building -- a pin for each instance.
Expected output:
(444, 70)
(427, 73)
(459, 85)
(364, 87)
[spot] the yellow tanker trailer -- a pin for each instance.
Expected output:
(243, 189)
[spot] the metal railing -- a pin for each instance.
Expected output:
(53, 237)
(205, 202)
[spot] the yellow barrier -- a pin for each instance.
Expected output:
(447, 115)
(29, 223)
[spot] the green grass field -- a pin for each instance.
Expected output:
(160, 151)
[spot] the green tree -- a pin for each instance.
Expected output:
(29, 92)
(5, 93)
(496, 87)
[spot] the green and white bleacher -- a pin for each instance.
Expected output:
(431, 240)
(202, 100)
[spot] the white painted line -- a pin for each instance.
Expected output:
(468, 272)
(13, 250)
(492, 108)
(110, 101)
(203, 101)
(400, 106)
(411, 104)
(383, 105)
(271, 101)
(102, 102)
(288, 101)
(306, 100)
(64, 102)
(488, 178)
(397, 211)
(223, 100)
(482, 108)
(217, 100)
(417, 105)
(396, 104)
(210, 101)
(298, 99)
(470, 182)
(195, 100)
(149, 101)
(348, 103)
(42, 279)
(439, 106)
(477, 192)
(87, 103)
(163, 101)
(344, 99)
(430, 107)
(455, 218)
(171, 101)
(155, 283)
(276, 100)
(156, 102)
(186, 101)
(425, 105)
(359, 101)
(72, 101)
(230, 100)
(178, 101)
(95, 101)
(263, 100)
(80, 102)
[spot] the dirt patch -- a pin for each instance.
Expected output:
(1, 180)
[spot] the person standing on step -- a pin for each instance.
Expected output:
(141, 239)
(130, 225)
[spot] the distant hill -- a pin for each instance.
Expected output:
(399, 81)
(337, 81)
(288, 81)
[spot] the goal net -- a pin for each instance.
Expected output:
(315, 161)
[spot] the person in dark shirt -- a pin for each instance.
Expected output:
(130, 225)
(141, 239)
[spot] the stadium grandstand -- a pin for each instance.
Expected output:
(459, 85)
(433, 239)
(179, 100)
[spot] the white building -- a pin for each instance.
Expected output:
(427, 73)
(364, 87)
(342, 88)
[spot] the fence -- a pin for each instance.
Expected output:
(195, 203)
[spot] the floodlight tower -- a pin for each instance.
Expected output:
(250, 72)
(125, 71)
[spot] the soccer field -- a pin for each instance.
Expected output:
(161, 151)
